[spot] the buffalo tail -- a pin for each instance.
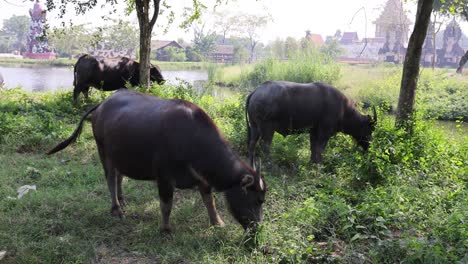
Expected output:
(247, 117)
(75, 134)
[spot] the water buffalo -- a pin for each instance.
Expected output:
(108, 74)
(176, 144)
(291, 108)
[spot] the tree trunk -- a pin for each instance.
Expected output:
(145, 52)
(410, 77)
(146, 28)
(463, 60)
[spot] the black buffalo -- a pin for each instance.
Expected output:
(316, 108)
(108, 74)
(176, 144)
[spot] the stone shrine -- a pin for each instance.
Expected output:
(37, 46)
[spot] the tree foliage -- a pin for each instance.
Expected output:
(176, 54)
(332, 48)
(17, 26)
(121, 35)
(204, 41)
(73, 39)
(250, 26)
(452, 7)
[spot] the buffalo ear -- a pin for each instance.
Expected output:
(247, 181)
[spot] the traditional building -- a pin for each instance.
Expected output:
(451, 52)
(393, 25)
(349, 38)
(316, 39)
(222, 54)
(160, 46)
(37, 46)
(429, 54)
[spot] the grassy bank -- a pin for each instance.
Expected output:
(62, 62)
(177, 66)
(65, 62)
(403, 201)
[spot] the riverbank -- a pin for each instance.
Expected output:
(66, 62)
(62, 62)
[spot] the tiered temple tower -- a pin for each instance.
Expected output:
(393, 25)
(37, 46)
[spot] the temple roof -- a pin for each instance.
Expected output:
(393, 13)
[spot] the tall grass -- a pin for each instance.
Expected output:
(308, 65)
(439, 94)
(304, 66)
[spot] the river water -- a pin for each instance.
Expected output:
(41, 79)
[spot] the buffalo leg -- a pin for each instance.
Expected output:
(166, 192)
(209, 202)
(112, 183)
(267, 138)
(318, 142)
(120, 195)
(254, 135)
(85, 92)
(76, 93)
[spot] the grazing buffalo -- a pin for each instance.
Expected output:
(291, 108)
(108, 74)
(176, 144)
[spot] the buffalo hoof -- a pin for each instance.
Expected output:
(122, 202)
(218, 222)
(117, 212)
(166, 231)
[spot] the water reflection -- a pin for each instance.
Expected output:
(40, 79)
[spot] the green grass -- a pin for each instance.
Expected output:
(402, 201)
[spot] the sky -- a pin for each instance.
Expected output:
(291, 19)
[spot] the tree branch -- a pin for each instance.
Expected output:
(155, 13)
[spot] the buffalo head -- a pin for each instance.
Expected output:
(245, 201)
(367, 127)
(155, 74)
